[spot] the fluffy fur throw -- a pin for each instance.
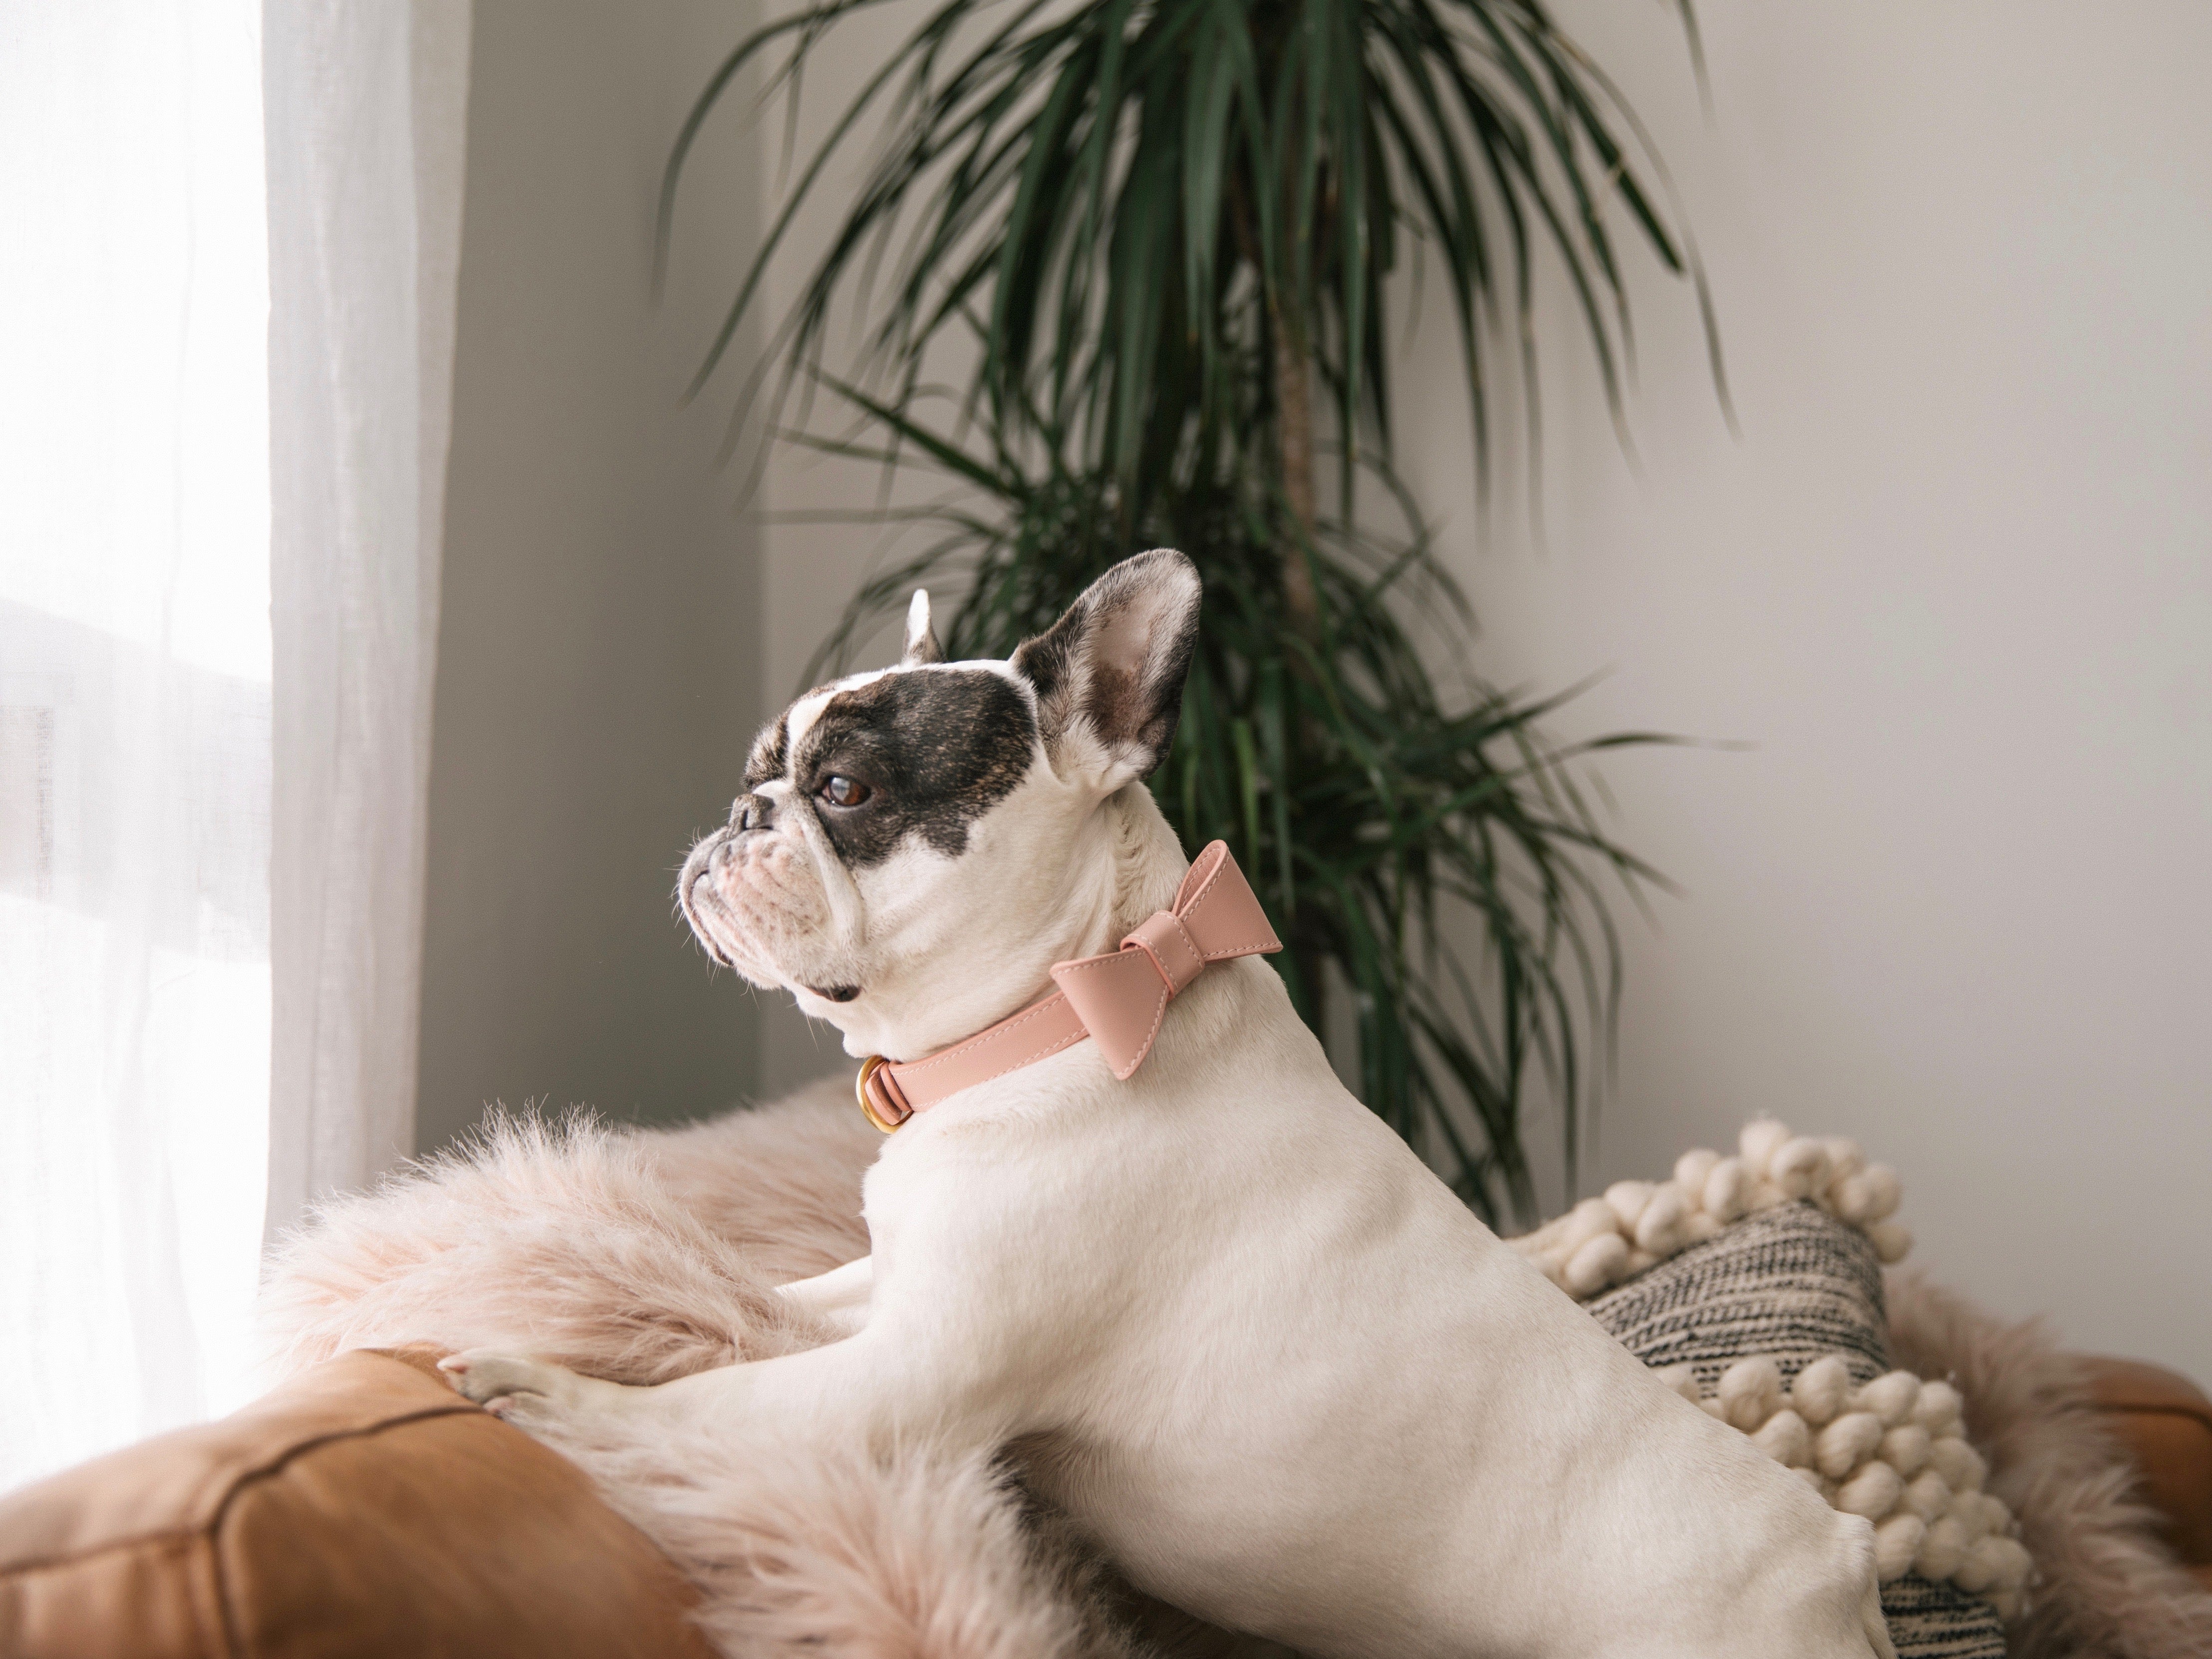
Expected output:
(645, 1256)
(2105, 1587)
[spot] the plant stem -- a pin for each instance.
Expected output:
(1294, 437)
(1294, 441)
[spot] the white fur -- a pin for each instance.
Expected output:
(1250, 1344)
(918, 635)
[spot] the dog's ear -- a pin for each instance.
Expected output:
(921, 646)
(1109, 675)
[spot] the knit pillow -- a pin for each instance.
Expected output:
(1797, 1285)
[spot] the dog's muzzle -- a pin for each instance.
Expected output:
(698, 906)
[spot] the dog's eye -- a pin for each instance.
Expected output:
(844, 791)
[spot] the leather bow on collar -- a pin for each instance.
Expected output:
(1118, 1000)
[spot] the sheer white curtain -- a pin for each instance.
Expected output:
(143, 1149)
(366, 109)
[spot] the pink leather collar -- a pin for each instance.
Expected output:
(1118, 1000)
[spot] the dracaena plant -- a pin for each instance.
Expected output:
(1153, 243)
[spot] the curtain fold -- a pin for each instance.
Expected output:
(365, 116)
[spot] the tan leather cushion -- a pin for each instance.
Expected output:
(2166, 1422)
(362, 1511)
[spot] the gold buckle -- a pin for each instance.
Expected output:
(869, 1067)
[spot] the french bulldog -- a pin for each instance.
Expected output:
(1243, 1335)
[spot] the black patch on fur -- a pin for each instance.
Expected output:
(765, 763)
(939, 748)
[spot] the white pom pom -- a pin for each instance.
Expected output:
(1682, 1379)
(1660, 1229)
(1891, 1397)
(1821, 1390)
(1896, 1541)
(1959, 1463)
(1728, 1189)
(1893, 1241)
(1800, 1167)
(1942, 1550)
(1591, 1219)
(1846, 1442)
(1627, 1199)
(1984, 1562)
(1713, 1406)
(1692, 1167)
(1872, 1492)
(1996, 1518)
(1752, 1389)
(1845, 1157)
(1928, 1495)
(1761, 1138)
(1940, 1410)
(1597, 1264)
(1702, 1225)
(1904, 1449)
(1852, 1198)
(1785, 1438)
(1967, 1510)
(1764, 1195)
(1811, 1477)
(1885, 1191)
(2014, 1565)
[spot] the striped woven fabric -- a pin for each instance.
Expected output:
(1796, 1284)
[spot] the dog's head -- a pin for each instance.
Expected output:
(915, 848)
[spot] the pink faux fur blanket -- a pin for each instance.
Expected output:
(643, 1256)
(2107, 1589)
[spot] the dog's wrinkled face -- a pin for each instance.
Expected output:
(909, 850)
(870, 788)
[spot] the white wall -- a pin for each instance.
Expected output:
(597, 682)
(1953, 583)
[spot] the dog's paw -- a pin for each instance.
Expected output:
(528, 1393)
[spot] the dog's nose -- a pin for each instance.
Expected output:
(751, 812)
